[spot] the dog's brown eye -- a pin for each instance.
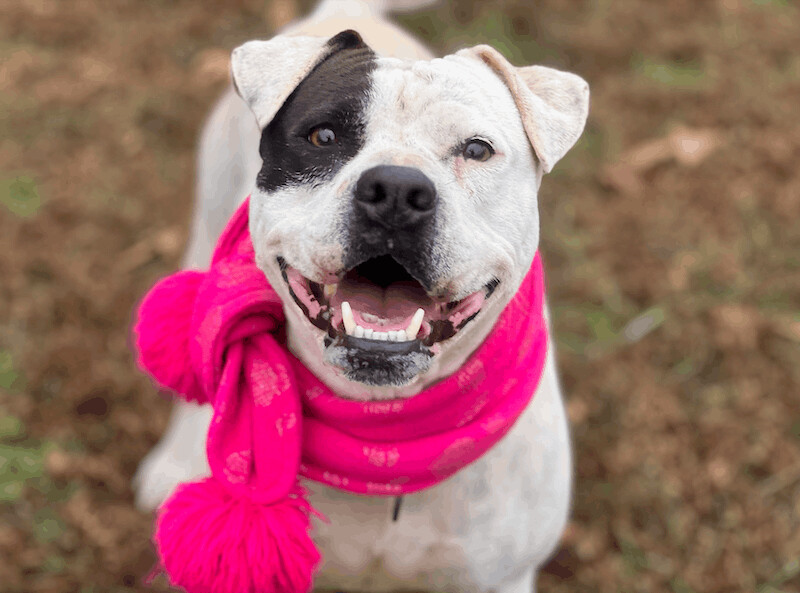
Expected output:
(478, 150)
(322, 137)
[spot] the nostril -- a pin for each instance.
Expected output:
(420, 199)
(370, 190)
(378, 193)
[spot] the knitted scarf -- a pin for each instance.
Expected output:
(218, 337)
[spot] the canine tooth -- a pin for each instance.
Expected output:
(348, 319)
(402, 336)
(368, 333)
(359, 333)
(330, 290)
(416, 322)
(392, 336)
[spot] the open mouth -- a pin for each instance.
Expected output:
(379, 304)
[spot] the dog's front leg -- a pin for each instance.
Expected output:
(180, 456)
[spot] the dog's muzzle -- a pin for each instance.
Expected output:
(384, 306)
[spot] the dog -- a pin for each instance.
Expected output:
(381, 167)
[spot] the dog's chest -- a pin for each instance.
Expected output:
(468, 533)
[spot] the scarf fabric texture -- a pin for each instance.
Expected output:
(218, 337)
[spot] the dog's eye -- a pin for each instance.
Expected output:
(322, 136)
(477, 150)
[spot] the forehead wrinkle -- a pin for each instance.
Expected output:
(409, 91)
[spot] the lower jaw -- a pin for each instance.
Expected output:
(378, 364)
(355, 373)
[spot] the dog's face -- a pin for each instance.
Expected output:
(396, 210)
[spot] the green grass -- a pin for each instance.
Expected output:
(685, 75)
(19, 195)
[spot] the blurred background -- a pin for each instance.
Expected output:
(670, 235)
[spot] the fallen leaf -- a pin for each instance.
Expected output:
(691, 146)
(687, 146)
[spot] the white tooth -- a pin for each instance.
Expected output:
(330, 290)
(392, 336)
(402, 336)
(368, 333)
(359, 333)
(383, 336)
(416, 322)
(348, 319)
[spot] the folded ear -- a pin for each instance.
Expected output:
(553, 104)
(266, 72)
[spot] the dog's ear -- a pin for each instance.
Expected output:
(553, 104)
(266, 72)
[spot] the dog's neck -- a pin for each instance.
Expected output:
(305, 345)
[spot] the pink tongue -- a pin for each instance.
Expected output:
(382, 309)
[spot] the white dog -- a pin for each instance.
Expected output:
(459, 145)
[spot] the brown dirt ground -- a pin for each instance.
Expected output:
(670, 235)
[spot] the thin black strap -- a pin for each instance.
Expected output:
(397, 501)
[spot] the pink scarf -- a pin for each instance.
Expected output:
(218, 337)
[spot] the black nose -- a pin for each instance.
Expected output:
(396, 197)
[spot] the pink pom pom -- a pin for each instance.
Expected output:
(162, 333)
(211, 541)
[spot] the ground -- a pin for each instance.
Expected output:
(670, 235)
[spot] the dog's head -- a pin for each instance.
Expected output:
(396, 209)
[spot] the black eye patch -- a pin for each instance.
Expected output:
(333, 96)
